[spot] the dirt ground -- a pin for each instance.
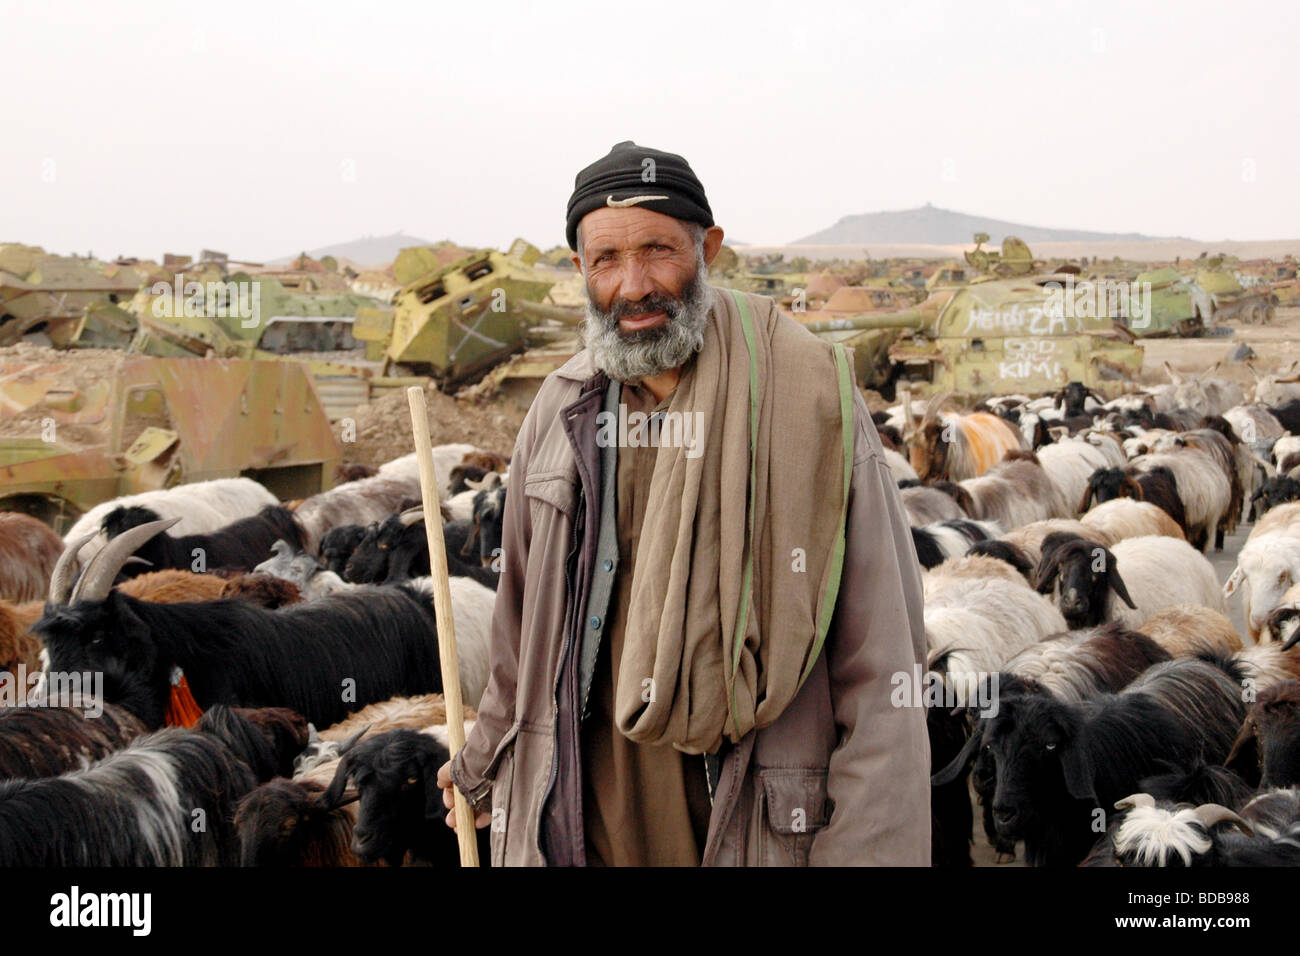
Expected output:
(383, 427)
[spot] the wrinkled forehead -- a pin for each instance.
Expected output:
(624, 230)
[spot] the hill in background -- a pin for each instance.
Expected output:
(930, 225)
(367, 251)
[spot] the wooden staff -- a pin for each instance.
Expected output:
(442, 611)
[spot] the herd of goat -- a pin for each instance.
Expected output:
(1089, 689)
(221, 646)
(271, 668)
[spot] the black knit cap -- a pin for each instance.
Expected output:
(629, 172)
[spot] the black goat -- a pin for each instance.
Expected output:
(136, 807)
(322, 658)
(1071, 399)
(1156, 485)
(239, 546)
(1055, 764)
(375, 642)
(1288, 415)
(485, 535)
(1087, 571)
(401, 808)
(937, 542)
(337, 546)
(1276, 490)
(398, 549)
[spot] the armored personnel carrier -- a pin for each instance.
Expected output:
(81, 427)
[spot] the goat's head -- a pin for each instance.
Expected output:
(1271, 734)
(1086, 570)
(89, 627)
(1034, 748)
(395, 775)
(285, 823)
(369, 562)
(338, 544)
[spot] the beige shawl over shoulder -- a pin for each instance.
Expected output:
(739, 557)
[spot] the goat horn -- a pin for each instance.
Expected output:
(1135, 800)
(64, 575)
(1174, 377)
(97, 580)
(478, 485)
(351, 742)
(933, 405)
(411, 516)
(1210, 814)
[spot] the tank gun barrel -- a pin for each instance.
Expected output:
(540, 310)
(910, 319)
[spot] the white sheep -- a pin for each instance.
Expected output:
(1159, 572)
(977, 625)
(1069, 463)
(1267, 565)
(1122, 518)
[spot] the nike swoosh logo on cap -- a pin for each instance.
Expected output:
(629, 201)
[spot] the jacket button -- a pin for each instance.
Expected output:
(609, 565)
(595, 623)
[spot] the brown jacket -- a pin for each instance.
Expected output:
(841, 777)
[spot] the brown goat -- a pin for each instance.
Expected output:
(264, 590)
(487, 460)
(1185, 630)
(29, 550)
(1266, 752)
(353, 471)
(18, 646)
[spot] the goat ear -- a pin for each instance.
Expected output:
(471, 539)
(1077, 767)
(333, 795)
(960, 762)
(1117, 583)
(1045, 575)
(1086, 503)
(1234, 581)
(1243, 758)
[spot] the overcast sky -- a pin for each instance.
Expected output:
(264, 128)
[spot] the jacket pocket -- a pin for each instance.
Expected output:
(555, 488)
(790, 807)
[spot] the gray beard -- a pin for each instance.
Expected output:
(650, 352)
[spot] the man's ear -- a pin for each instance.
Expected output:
(712, 244)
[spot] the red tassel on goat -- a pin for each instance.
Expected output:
(182, 709)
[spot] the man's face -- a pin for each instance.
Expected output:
(634, 256)
(647, 290)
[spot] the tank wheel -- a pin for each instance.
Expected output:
(1256, 314)
(1269, 313)
(1189, 327)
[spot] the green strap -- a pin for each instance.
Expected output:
(747, 581)
(837, 553)
(836, 569)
